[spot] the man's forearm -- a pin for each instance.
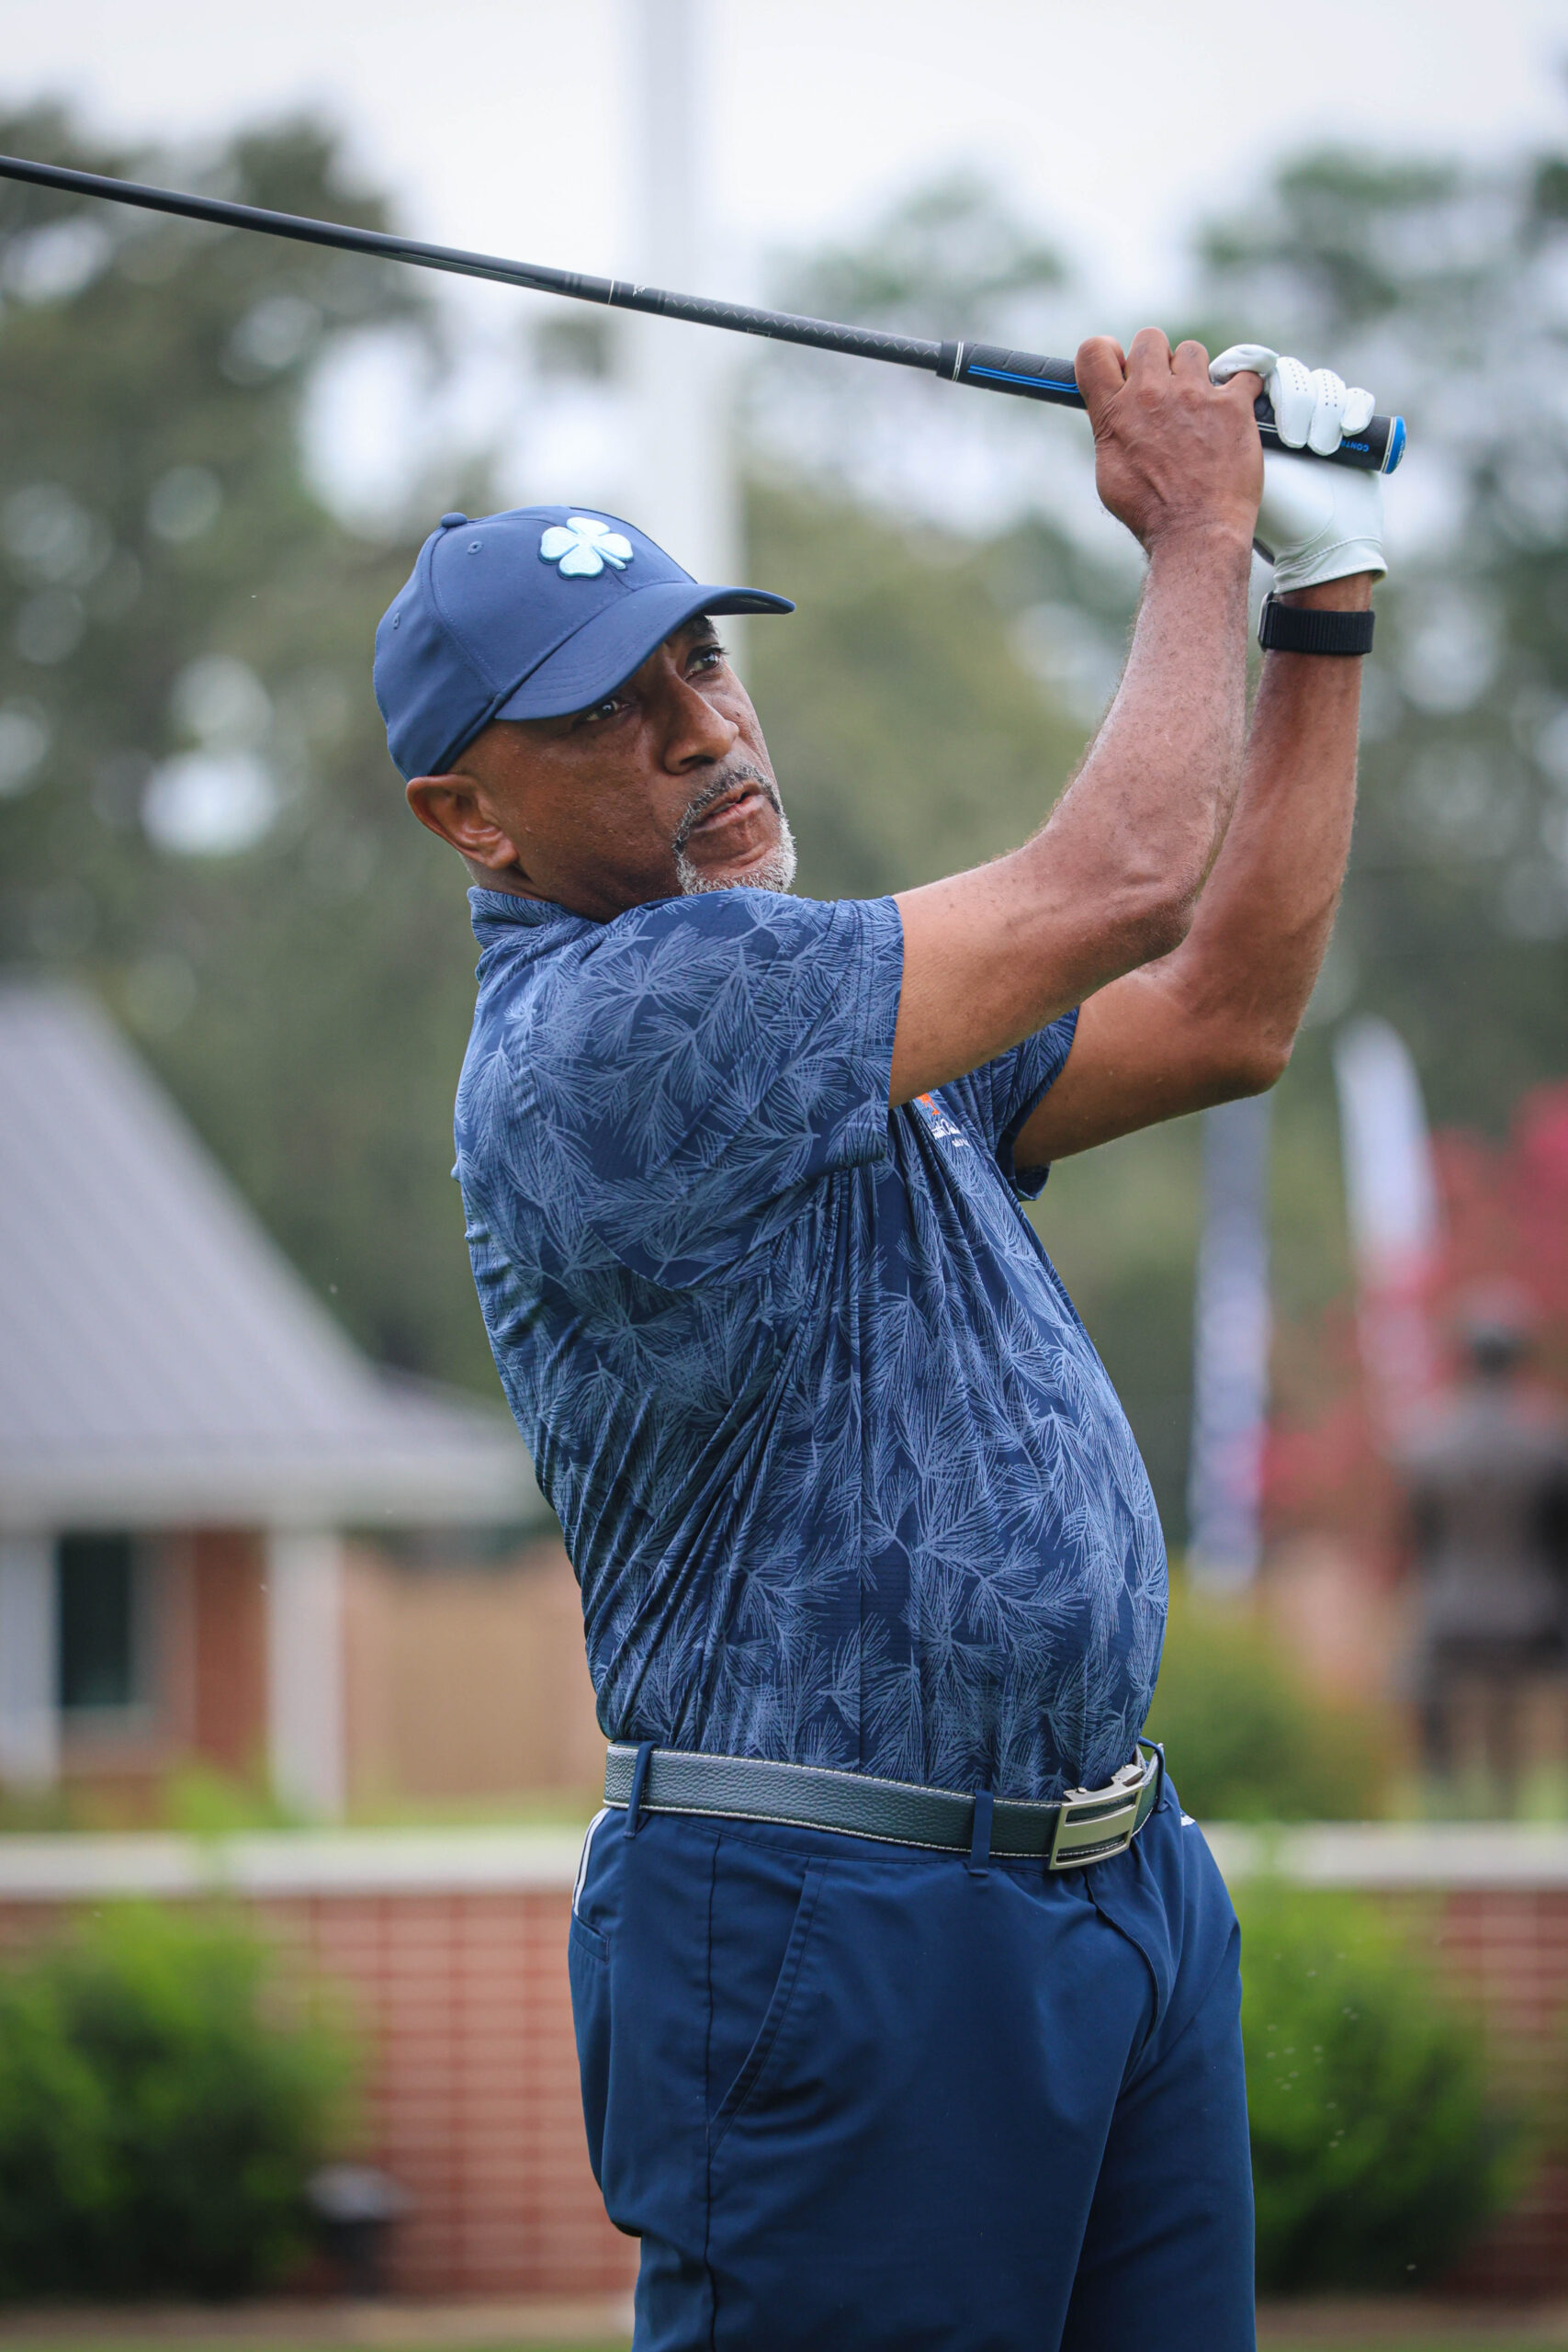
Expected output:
(1110, 882)
(1111, 879)
(1257, 943)
(1217, 1018)
(1154, 797)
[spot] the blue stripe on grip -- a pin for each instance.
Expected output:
(1006, 376)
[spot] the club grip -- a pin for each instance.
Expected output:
(1030, 375)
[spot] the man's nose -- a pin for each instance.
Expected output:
(697, 731)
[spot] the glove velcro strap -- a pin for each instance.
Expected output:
(1301, 629)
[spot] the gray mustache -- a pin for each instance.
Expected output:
(713, 790)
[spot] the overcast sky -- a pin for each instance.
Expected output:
(504, 123)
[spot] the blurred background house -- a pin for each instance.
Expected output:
(225, 1539)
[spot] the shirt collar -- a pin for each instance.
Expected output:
(488, 908)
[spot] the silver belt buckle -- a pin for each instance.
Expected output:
(1094, 1823)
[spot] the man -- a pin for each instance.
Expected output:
(882, 2043)
(1485, 1474)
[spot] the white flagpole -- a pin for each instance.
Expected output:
(1392, 1198)
(683, 471)
(1230, 1372)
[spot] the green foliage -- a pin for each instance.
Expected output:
(1413, 276)
(201, 1802)
(908, 737)
(1245, 1738)
(159, 2113)
(950, 252)
(307, 997)
(1376, 2153)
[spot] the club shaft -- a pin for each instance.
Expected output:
(616, 293)
(1025, 374)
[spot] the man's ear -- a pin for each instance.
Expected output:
(451, 809)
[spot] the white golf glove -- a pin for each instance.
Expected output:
(1316, 522)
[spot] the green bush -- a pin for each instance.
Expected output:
(159, 2112)
(1245, 1737)
(1377, 2150)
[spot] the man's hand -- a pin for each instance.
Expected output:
(1171, 450)
(1315, 523)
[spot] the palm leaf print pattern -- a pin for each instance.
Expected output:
(841, 1473)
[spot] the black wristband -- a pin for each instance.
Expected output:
(1301, 629)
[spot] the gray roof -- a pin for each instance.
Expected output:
(161, 1361)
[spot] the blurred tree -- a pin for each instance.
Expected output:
(1246, 1738)
(908, 733)
(952, 257)
(197, 818)
(1447, 290)
(950, 249)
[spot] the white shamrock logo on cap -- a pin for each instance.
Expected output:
(582, 546)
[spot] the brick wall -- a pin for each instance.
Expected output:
(474, 2101)
(1509, 1947)
(229, 1600)
(450, 1950)
(451, 1947)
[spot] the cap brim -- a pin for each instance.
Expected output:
(607, 649)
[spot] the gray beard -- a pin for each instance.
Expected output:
(776, 871)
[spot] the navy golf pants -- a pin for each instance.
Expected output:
(852, 2095)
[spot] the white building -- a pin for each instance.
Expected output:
(184, 1437)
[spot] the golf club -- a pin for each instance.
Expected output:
(1026, 373)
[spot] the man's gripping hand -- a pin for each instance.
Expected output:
(1173, 452)
(1315, 523)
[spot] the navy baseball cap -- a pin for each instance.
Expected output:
(527, 615)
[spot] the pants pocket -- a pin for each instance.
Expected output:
(588, 1969)
(752, 2072)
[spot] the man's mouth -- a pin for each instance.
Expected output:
(742, 801)
(732, 813)
(727, 800)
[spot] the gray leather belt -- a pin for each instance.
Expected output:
(1086, 1826)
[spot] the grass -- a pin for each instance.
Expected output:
(1461, 2340)
(1281, 2329)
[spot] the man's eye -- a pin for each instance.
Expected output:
(708, 657)
(606, 710)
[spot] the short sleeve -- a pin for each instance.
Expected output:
(675, 1077)
(1001, 1095)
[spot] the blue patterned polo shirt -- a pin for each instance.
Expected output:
(842, 1476)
